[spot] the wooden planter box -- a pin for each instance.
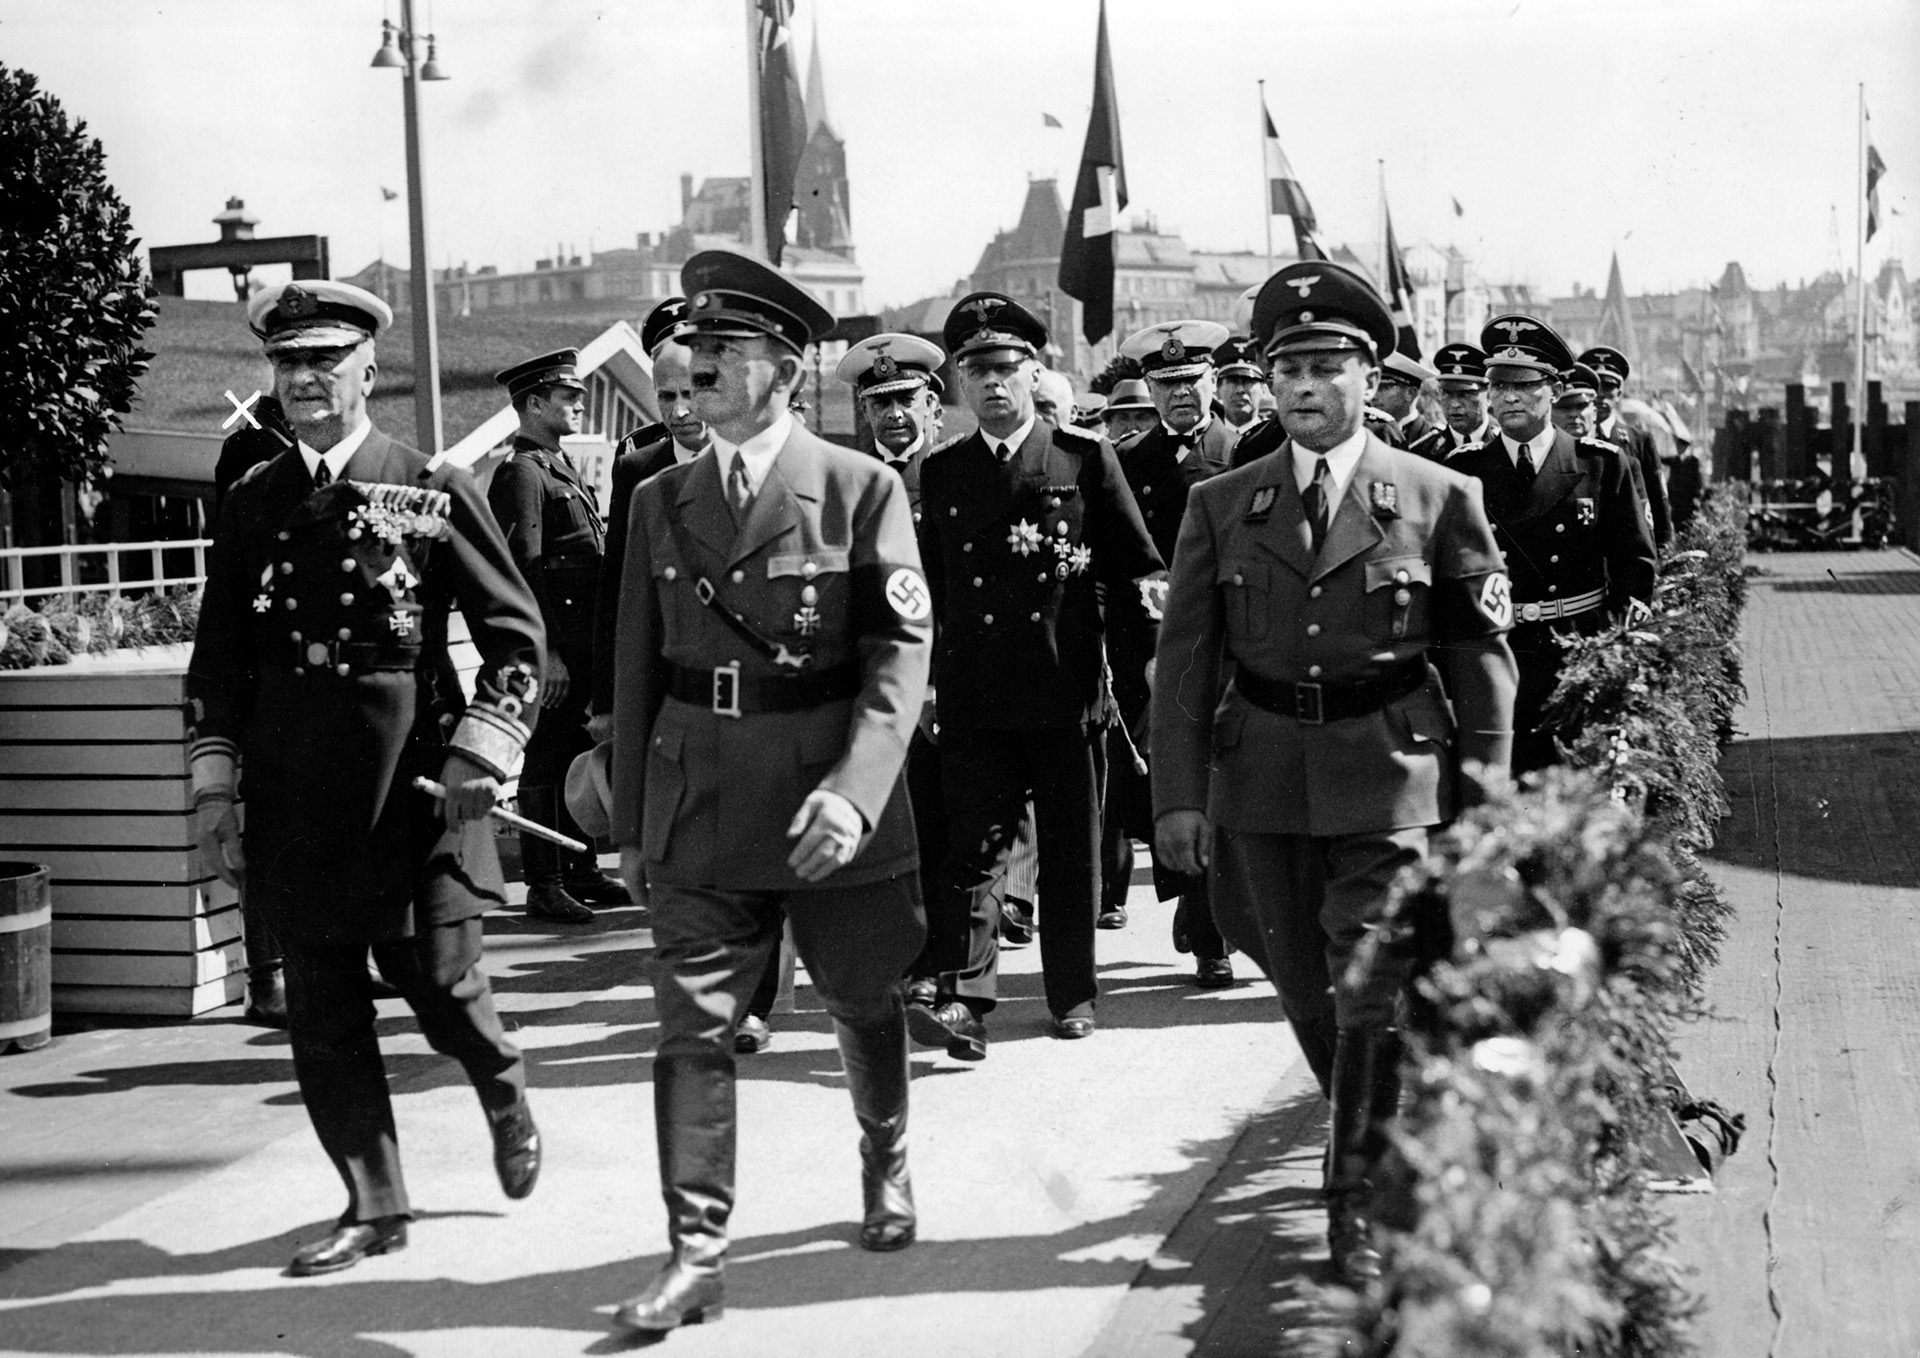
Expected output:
(93, 783)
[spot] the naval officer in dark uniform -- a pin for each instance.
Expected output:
(772, 650)
(320, 676)
(1190, 444)
(1613, 370)
(1573, 528)
(551, 518)
(1019, 522)
(1303, 746)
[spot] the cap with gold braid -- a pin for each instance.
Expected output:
(316, 313)
(888, 363)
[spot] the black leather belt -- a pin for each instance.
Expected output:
(726, 691)
(348, 657)
(1316, 704)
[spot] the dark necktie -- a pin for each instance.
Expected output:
(739, 490)
(1314, 498)
(1525, 465)
(322, 475)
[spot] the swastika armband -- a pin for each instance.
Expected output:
(1473, 606)
(887, 594)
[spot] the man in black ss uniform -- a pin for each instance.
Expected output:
(551, 518)
(1565, 513)
(1402, 379)
(1019, 521)
(1239, 378)
(1189, 445)
(1613, 370)
(1463, 404)
(319, 674)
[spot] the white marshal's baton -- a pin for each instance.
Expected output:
(506, 817)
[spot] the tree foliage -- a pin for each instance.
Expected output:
(74, 300)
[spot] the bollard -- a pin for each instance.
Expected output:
(26, 957)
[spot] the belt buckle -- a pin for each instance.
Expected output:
(726, 689)
(1306, 705)
(1530, 612)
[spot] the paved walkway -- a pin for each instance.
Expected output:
(1811, 1246)
(1075, 1198)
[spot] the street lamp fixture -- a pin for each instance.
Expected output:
(398, 46)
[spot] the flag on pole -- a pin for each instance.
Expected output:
(1048, 120)
(783, 119)
(1876, 168)
(1458, 211)
(387, 195)
(1099, 194)
(1285, 196)
(1400, 293)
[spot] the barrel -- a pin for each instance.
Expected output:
(26, 957)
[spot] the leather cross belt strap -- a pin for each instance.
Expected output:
(1550, 610)
(348, 657)
(1314, 704)
(726, 691)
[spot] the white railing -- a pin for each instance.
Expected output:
(12, 575)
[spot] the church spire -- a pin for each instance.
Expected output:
(817, 117)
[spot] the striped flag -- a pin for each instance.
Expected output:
(783, 119)
(1285, 197)
(1400, 293)
(1099, 195)
(1876, 168)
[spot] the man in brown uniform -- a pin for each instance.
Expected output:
(771, 656)
(1303, 748)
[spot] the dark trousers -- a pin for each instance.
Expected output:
(1015, 877)
(1539, 655)
(712, 949)
(1129, 813)
(987, 778)
(336, 1056)
(1299, 905)
(559, 735)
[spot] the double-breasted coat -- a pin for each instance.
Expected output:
(551, 518)
(824, 566)
(320, 666)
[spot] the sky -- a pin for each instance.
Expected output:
(1681, 133)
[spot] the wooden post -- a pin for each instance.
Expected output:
(1909, 504)
(1797, 454)
(1766, 437)
(1840, 436)
(1875, 433)
(1733, 449)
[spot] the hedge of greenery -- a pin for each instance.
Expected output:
(1569, 929)
(92, 624)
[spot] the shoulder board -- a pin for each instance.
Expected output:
(1074, 431)
(1601, 444)
(1464, 449)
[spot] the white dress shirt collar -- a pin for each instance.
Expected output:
(1010, 446)
(757, 453)
(1341, 461)
(340, 454)
(1541, 444)
(682, 454)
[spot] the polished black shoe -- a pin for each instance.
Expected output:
(951, 1025)
(516, 1149)
(549, 901)
(1074, 1027)
(682, 1293)
(1016, 924)
(346, 1245)
(1350, 1248)
(753, 1036)
(923, 992)
(1213, 973)
(1113, 917)
(598, 888)
(267, 997)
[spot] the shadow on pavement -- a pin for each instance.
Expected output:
(1844, 804)
(1868, 582)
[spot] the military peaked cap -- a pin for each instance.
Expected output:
(561, 368)
(982, 322)
(1407, 368)
(886, 363)
(1462, 363)
(661, 323)
(316, 313)
(1609, 363)
(1321, 305)
(1583, 386)
(1239, 357)
(1175, 350)
(732, 294)
(1532, 346)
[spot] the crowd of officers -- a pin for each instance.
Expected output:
(1256, 610)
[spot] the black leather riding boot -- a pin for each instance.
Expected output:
(693, 1114)
(876, 1061)
(1352, 1147)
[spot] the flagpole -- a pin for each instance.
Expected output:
(1266, 183)
(1385, 285)
(1860, 282)
(757, 169)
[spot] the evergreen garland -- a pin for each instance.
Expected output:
(1567, 928)
(93, 624)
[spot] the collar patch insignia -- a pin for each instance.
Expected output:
(1262, 504)
(1385, 496)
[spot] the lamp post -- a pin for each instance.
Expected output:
(397, 50)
